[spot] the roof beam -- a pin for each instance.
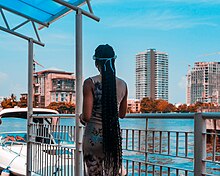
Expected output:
(21, 36)
(89, 6)
(75, 8)
(4, 18)
(20, 25)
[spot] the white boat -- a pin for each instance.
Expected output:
(13, 148)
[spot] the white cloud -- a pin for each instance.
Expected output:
(165, 20)
(55, 68)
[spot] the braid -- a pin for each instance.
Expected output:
(112, 140)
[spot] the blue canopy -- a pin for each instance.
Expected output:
(40, 11)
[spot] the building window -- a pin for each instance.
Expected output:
(62, 97)
(57, 97)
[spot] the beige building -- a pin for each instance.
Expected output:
(134, 105)
(53, 86)
(203, 83)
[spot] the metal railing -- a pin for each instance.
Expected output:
(163, 152)
(53, 150)
(147, 151)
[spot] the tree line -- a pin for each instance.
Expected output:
(149, 105)
(61, 107)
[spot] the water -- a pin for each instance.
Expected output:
(180, 125)
(16, 124)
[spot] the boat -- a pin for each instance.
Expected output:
(13, 145)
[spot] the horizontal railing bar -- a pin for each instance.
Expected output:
(161, 115)
(55, 145)
(217, 134)
(157, 153)
(158, 165)
(211, 115)
(210, 161)
(52, 115)
(206, 115)
(149, 115)
(206, 174)
(212, 133)
(172, 131)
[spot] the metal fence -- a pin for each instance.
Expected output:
(53, 148)
(163, 152)
(145, 151)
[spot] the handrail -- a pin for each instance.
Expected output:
(161, 115)
(206, 115)
(53, 115)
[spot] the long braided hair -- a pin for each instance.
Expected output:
(112, 141)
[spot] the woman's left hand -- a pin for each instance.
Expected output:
(81, 120)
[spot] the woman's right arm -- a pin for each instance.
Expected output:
(87, 101)
(123, 105)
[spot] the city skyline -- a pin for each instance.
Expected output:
(185, 30)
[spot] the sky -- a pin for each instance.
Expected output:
(188, 30)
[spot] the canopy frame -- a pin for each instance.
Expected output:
(13, 30)
(31, 42)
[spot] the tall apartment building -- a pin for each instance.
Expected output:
(53, 86)
(203, 83)
(152, 74)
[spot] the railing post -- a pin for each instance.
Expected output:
(79, 130)
(30, 107)
(146, 145)
(199, 144)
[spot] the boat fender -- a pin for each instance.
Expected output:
(6, 172)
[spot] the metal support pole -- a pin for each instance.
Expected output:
(79, 132)
(30, 107)
(146, 146)
(199, 144)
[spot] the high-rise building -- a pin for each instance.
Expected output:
(53, 86)
(203, 83)
(152, 75)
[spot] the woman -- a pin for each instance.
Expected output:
(104, 100)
